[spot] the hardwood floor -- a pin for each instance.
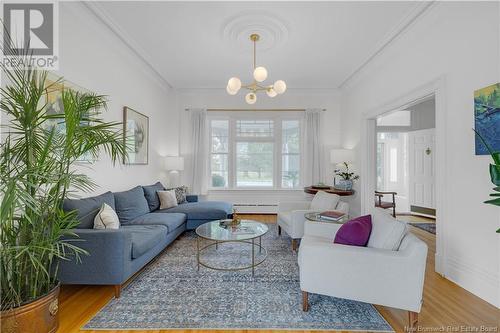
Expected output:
(445, 304)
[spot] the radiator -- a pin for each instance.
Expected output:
(257, 208)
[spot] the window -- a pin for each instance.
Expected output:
(219, 149)
(393, 165)
(254, 164)
(255, 153)
(290, 154)
(254, 128)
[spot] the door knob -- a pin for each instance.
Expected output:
(428, 151)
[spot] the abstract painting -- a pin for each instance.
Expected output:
(135, 136)
(487, 117)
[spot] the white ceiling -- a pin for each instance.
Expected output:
(307, 44)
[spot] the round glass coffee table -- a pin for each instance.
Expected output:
(246, 232)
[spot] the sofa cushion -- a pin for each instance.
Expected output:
(180, 193)
(145, 237)
(355, 232)
(151, 195)
(387, 232)
(170, 220)
(203, 210)
(130, 204)
(88, 208)
(167, 199)
(106, 218)
(324, 201)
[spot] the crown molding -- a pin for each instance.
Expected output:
(402, 27)
(320, 90)
(143, 57)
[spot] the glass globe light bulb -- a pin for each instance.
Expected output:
(260, 74)
(279, 86)
(271, 92)
(251, 98)
(231, 92)
(234, 84)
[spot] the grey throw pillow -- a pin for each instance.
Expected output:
(151, 195)
(88, 208)
(180, 193)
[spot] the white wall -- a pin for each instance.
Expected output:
(423, 115)
(293, 98)
(458, 41)
(92, 57)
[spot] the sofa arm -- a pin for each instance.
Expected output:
(192, 198)
(288, 206)
(321, 229)
(109, 252)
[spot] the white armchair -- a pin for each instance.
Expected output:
(366, 274)
(291, 214)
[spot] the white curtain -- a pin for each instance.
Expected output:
(199, 137)
(312, 147)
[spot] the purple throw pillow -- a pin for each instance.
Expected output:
(355, 232)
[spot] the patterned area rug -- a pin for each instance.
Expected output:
(171, 294)
(429, 227)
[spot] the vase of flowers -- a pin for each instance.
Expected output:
(347, 178)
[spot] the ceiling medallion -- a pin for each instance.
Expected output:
(259, 75)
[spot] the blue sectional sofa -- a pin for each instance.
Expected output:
(145, 230)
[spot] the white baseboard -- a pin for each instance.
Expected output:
(485, 284)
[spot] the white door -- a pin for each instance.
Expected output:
(421, 168)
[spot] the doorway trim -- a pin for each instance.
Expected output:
(435, 87)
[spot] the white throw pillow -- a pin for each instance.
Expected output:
(106, 218)
(324, 201)
(387, 232)
(167, 199)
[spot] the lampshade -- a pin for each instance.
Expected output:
(251, 98)
(174, 163)
(271, 93)
(279, 86)
(341, 156)
(231, 92)
(234, 84)
(260, 74)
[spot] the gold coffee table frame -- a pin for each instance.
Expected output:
(215, 243)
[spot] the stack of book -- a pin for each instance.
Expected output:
(331, 215)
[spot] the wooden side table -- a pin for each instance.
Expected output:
(342, 193)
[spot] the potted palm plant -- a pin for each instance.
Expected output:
(38, 152)
(494, 173)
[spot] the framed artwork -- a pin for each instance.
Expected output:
(135, 136)
(53, 104)
(487, 117)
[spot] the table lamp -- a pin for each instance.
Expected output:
(174, 164)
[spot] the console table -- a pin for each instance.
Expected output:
(342, 193)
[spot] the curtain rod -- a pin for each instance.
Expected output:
(269, 110)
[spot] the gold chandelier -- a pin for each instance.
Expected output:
(259, 75)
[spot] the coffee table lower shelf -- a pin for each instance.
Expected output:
(255, 263)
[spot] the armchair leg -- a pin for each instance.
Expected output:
(412, 319)
(279, 230)
(294, 245)
(118, 290)
(305, 301)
